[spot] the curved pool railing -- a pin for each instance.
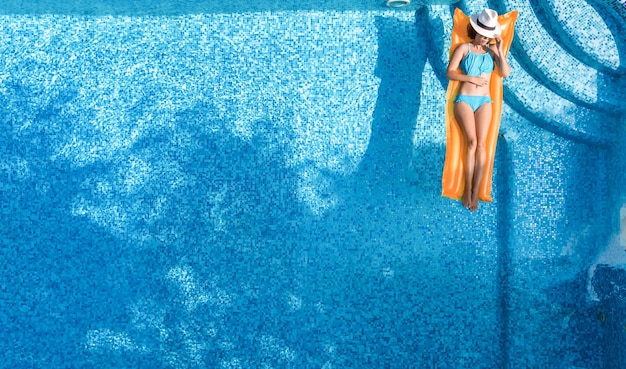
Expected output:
(552, 84)
(568, 23)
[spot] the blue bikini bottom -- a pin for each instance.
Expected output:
(474, 102)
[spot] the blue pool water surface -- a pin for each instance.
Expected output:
(257, 185)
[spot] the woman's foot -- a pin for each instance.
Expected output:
(474, 202)
(467, 198)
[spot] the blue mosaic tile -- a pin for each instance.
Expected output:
(598, 41)
(261, 189)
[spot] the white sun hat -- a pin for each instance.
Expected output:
(486, 23)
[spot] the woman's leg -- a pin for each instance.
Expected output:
(465, 116)
(482, 118)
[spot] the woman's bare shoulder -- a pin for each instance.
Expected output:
(461, 49)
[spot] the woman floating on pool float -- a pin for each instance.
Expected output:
(477, 65)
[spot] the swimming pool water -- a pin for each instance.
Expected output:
(258, 186)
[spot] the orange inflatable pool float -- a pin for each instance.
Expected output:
(453, 179)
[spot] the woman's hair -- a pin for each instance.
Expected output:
(471, 32)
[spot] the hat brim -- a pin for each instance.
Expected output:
(484, 32)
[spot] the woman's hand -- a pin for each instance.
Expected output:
(500, 57)
(480, 80)
(498, 39)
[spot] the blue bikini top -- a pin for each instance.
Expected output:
(476, 64)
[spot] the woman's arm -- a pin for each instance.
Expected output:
(499, 58)
(453, 65)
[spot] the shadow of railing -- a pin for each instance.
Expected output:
(399, 66)
(504, 198)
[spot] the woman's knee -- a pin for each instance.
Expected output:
(472, 144)
(480, 152)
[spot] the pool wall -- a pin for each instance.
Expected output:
(262, 189)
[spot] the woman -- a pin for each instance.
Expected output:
(472, 107)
